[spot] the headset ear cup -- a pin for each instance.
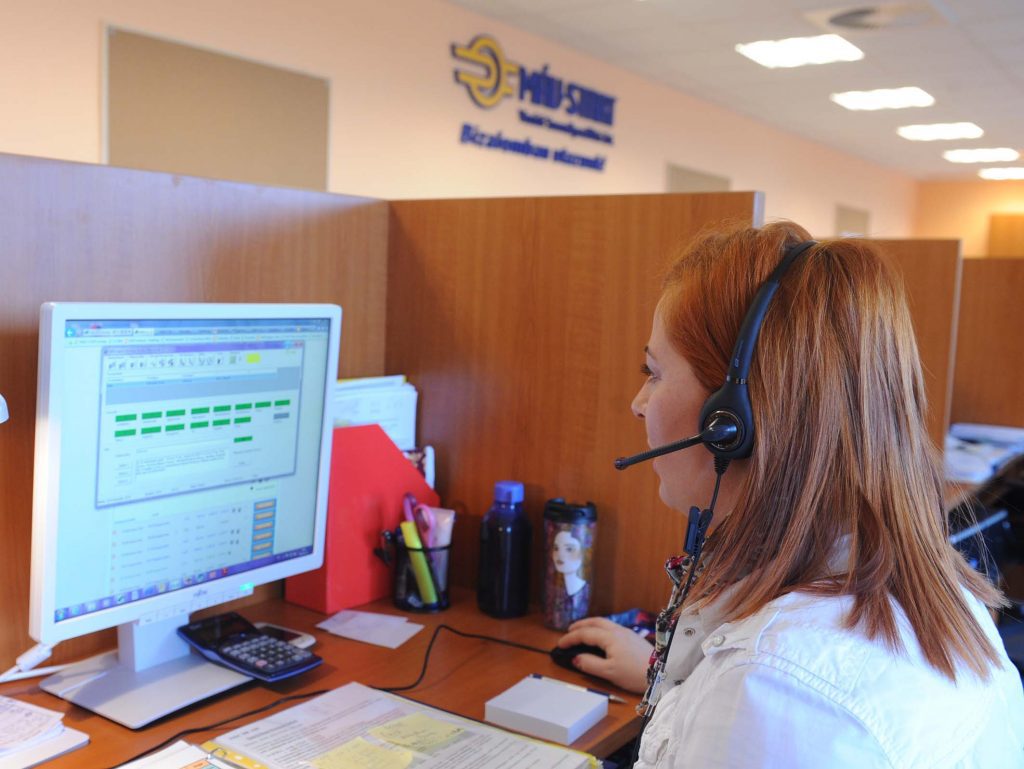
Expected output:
(731, 403)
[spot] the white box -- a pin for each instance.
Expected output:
(554, 711)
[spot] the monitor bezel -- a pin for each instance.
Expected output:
(43, 626)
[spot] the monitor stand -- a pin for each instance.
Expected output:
(152, 674)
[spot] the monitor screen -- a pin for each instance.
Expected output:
(182, 457)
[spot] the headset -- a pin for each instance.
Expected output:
(726, 419)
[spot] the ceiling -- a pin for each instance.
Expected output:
(968, 54)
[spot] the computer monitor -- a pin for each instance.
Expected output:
(182, 457)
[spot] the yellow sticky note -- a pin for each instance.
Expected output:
(417, 732)
(252, 357)
(360, 754)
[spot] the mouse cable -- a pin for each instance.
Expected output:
(430, 646)
(293, 697)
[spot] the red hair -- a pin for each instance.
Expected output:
(841, 446)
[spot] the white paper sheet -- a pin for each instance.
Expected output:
(386, 630)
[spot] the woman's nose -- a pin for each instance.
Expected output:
(639, 405)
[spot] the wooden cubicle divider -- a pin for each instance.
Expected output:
(83, 232)
(523, 322)
(1006, 235)
(932, 277)
(989, 381)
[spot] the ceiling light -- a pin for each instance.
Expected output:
(1000, 174)
(798, 51)
(985, 155)
(884, 98)
(935, 131)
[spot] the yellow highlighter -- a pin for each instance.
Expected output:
(418, 561)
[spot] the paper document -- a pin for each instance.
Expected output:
(180, 755)
(21, 724)
(389, 401)
(30, 735)
(356, 726)
(380, 629)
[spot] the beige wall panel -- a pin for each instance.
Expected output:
(92, 233)
(522, 321)
(187, 110)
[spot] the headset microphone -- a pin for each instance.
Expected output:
(719, 430)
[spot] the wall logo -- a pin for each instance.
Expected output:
(490, 79)
(487, 89)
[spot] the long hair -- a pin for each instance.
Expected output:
(841, 447)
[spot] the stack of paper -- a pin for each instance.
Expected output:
(30, 734)
(379, 629)
(388, 401)
(547, 709)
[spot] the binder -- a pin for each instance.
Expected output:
(369, 477)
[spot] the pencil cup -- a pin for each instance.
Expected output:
(421, 577)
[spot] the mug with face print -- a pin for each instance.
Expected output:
(569, 532)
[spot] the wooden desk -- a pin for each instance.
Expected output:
(463, 673)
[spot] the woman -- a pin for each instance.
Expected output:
(830, 623)
(569, 591)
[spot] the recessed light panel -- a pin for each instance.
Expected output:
(1001, 174)
(884, 98)
(800, 51)
(982, 155)
(940, 131)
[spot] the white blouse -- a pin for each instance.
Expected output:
(790, 687)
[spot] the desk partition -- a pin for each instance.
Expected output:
(932, 276)
(523, 322)
(989, 381)
(94, 233)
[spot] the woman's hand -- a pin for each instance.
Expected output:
(627, 653)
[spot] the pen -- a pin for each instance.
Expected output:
(609, 695)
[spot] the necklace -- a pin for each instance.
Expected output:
(677, 568)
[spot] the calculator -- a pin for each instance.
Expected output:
(229, 639)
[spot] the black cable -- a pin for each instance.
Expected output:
(721, 465)
(195, 729)
(423, 672)
(430, 646)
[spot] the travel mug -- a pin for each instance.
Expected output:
(569, 532)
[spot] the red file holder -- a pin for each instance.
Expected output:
(369, 477)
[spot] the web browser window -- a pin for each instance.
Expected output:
(186, 447)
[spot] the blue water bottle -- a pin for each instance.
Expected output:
(504, 583)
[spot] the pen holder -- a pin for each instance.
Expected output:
(421, 577)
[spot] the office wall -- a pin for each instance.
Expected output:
(522, 322)
(396, 111)
(85, 232)
(961, 209)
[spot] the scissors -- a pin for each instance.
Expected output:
(422, 516)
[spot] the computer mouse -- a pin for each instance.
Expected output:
(564, 657)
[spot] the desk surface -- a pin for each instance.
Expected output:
(463, 673)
